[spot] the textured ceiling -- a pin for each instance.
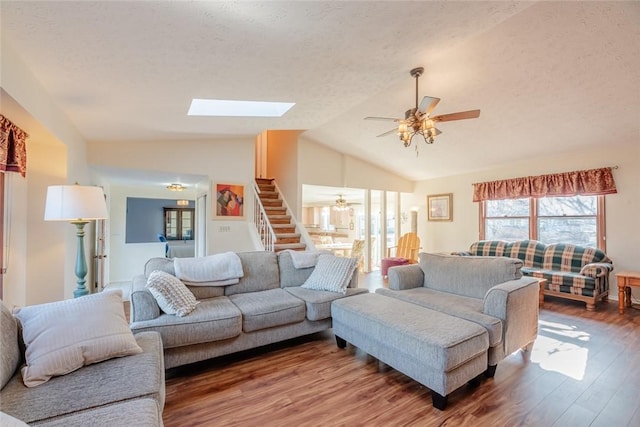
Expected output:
(547, 76)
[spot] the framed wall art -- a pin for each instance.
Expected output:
(440, 207)
(228, 201)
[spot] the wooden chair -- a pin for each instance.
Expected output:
(408, 247)
(357, 251)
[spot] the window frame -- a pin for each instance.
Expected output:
(533, 220)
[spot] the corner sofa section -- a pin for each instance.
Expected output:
(267, 305)
(126, 390)
(573, 272)
(490, 292)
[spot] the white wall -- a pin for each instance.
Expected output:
(282, 164)
(55, 155)
(230, 161)
(622, 209)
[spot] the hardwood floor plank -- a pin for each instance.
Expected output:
(584, 369)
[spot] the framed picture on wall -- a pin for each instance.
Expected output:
(228, 201)
(440, 207)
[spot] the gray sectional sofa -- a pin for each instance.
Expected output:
(488, 291)
(267, 305)
(100, 394)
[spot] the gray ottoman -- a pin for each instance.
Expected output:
(441, 352)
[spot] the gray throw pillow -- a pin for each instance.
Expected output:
(331, 274)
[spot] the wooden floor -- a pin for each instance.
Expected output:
(584, 370)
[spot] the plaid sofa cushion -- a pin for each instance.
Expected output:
(569, 283)
(488, 248)
(565, 257)
(531, 252)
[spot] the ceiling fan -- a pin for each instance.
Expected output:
(417, 120)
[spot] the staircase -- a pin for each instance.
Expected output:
(276, 211)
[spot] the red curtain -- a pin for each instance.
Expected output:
(13, 149)
(590, 182)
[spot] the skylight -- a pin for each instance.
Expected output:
(226, 108)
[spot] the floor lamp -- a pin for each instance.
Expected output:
(79, 205)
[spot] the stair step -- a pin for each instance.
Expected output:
(294, 246)
(279, 219)
(269, 194)
(283, 228)
(287, 238)
(267, 187)
(264, 180)
(275, 210)
(272, 203)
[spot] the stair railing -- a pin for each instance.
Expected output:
(304, 235)
(261, 221)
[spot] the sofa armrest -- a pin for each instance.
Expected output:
(516, 303)
(406, 277)
(143, 305)
(596, 269)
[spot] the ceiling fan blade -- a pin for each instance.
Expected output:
(386, 119)
(428, 104)
(471, 114)
(389, 132)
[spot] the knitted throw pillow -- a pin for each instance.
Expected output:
(331, 274)
(171, 294)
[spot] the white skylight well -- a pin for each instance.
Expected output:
(226, 108)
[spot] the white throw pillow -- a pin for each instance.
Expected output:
(331, 274)
(63, 336)
(172, 295)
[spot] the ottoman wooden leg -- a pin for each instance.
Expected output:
(340, 342)
(439, 401)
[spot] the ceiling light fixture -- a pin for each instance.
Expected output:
(228, 108)
(341, 204)
(182, 203)
(176, 187)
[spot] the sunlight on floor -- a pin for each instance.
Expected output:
(561, 348)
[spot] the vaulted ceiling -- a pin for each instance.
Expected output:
(549, 77)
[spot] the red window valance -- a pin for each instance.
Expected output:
(13, 148)
(585, 183)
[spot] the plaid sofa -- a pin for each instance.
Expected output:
(574, 272)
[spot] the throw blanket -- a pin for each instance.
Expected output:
(305, 259)
(211, 268)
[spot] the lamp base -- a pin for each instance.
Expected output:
(81, 264)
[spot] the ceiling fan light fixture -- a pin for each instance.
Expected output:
(341, 204)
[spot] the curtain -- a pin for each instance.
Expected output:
(13, 149)
(590, 182)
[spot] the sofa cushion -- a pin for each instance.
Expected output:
(318, 303)
(260, 273)
(171, 294)
(531, 252)
(114, 380)
(469, 276)
(572, 258)
(9, 343)
(331, 274)
(135, 412)
(289, 274)
(213, 319)
(159, 264)
(266, 309)
(455, 305)
(62, 336)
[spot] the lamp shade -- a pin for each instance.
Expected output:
(74, 202)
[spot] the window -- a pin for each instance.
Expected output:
(577, 219)
(507, 219)
(178, 223)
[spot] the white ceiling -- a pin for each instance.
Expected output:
(548, 76)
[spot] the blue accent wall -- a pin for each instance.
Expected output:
(145, 218)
